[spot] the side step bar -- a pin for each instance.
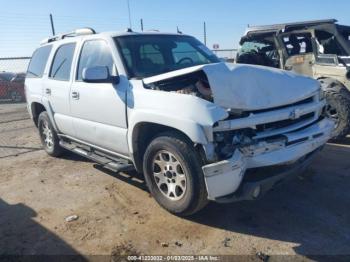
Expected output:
(109, 162)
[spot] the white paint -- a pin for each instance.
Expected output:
(223, 178)
(247, 87)
(269, 117)
(237, 87)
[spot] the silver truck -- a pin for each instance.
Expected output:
(165, 105)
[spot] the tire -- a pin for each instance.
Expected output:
(338, 108)
(48, 136)
(184, 193)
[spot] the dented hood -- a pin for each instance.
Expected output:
(247, 87)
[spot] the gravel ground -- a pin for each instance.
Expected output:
(117, 215)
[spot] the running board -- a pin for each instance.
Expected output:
(109, 162)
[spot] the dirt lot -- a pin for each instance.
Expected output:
(116, 213)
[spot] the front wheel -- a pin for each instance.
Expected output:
(173, 174)
(48, 136)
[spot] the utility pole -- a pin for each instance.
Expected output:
(52, 25)
(141, 24)
(130, 24)
(205, 33)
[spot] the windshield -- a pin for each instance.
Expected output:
(149, 55)
(6, 76)
(253, 46)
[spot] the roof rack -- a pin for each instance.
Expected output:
(77, 32)
(287, 25)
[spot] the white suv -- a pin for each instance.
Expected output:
(165, 105)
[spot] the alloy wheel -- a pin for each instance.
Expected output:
(169, 175)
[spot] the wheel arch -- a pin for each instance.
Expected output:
(143, 133)
(36, 109)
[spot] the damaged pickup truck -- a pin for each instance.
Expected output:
(197, 128)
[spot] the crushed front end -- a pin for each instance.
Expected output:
(254, 151)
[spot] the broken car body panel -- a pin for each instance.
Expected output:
(249, 88)
(178, 111)
(270, 97)
(253, 116)
(224, 178)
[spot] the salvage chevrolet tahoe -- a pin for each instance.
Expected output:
(163, 104)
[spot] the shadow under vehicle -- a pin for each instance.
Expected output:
(319, 49)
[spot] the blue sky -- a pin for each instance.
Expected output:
(23, 24)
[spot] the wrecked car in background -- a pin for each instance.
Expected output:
(12, 86)
(319, 49)
(164, 104)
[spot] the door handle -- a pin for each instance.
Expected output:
(48, 91)
(75, 95)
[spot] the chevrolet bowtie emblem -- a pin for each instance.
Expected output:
(295, 114)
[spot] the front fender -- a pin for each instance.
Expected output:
(191, 129)
(189, 114)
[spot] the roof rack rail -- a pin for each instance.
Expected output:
(77, 32)
(286, 26)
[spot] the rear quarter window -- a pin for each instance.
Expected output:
(38, 62)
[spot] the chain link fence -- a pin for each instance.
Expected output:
(12, 76)
(14, 64)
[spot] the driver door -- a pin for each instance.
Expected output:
(99, 109)
(299, 52)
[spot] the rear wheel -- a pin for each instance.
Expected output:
(338, 108)
(174, 175)
(48, 136)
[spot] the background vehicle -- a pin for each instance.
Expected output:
(12, 86)
(319, 49)
(163, 104)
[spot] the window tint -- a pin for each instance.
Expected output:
(149, 55)
(6, 76)
(38, 62)
(187, 53)
(127, 56)
(62, 63)
(95, 53)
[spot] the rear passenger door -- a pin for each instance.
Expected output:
(99, 109)
(57, 87)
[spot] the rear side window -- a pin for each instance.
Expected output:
(95, 53)
(62, 63)
(38, 62)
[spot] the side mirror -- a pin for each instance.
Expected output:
(99, 74)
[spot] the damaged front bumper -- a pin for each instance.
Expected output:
(225, 179)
